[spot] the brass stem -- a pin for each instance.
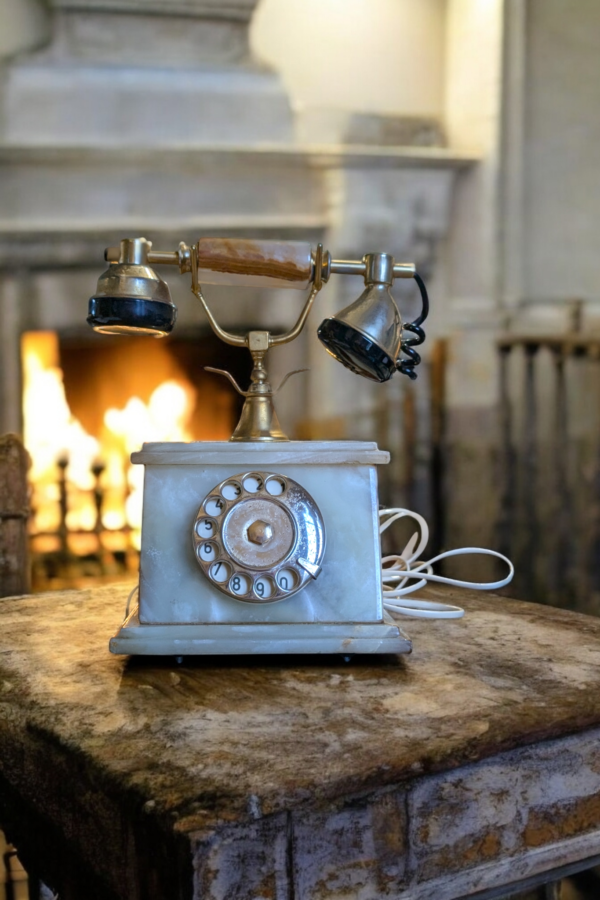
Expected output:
(258, 376)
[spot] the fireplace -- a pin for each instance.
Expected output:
(96, 146)
(88, 402)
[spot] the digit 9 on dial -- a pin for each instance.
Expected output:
(259, 537)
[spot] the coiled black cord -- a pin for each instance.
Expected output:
(407, 366)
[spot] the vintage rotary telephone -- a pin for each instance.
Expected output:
(261, 544)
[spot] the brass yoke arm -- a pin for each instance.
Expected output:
(277, 340)
(238, 340)
(234, 340)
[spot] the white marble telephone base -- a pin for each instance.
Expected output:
(219, 639)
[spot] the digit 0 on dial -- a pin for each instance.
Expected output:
(259, 537)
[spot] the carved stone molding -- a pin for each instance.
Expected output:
(180, 33)
(240, 10)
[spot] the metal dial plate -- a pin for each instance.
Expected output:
(259, 537)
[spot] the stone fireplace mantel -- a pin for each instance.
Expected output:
(83, 195)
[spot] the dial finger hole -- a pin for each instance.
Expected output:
(239, 584)
(253, 483)
(264, 588)
(220, 572)
(275, 486)
(214, 506)
(206, 528)
(207, 552)
(287, 579)
(232, 490)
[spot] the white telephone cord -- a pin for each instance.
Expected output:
(401, 568)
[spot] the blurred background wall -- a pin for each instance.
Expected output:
(460, 134)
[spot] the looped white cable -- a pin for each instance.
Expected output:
(400, 569)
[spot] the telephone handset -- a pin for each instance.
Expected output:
(285, 553)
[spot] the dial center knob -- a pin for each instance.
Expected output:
(260, 532)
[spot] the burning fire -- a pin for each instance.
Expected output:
(52, 434)
(163, 419)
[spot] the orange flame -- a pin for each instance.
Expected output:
(51, 432)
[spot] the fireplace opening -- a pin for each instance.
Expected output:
(88, 403)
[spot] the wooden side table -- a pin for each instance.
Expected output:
(467, 768)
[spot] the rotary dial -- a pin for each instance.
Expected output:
(259, 537)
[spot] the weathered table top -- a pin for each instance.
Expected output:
(473, 762)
